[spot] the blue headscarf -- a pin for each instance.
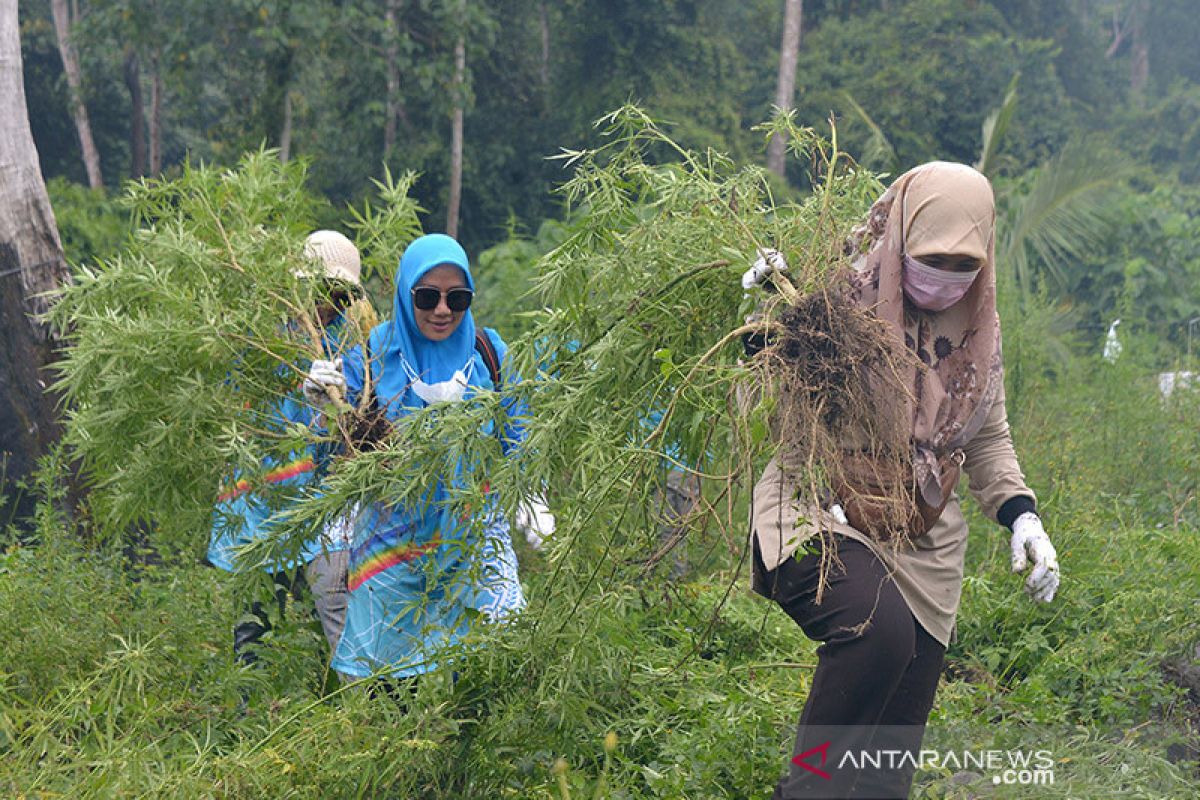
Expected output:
(399, 338)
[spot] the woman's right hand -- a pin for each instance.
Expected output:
(768, 263)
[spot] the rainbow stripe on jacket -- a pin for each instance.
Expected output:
(278, 475)
(382, 551)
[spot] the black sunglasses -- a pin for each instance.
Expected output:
(427, 298)
(341, 294)
(340, 300)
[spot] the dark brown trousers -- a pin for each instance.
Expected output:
(876, 676)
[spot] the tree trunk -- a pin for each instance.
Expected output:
(1120, 29)
(456, 126)
(137, 115)
(277, 101)
(544, 21)
(1139, 49)
(156, 93)
(392, 58)
(31, 263)
(62, 29)
(785, 87)
(285, 133)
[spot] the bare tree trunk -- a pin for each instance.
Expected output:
(544, 20)
(137, 115)
(26, 219)
(285, 133)
(1139, 55)
(1120, 29)
(391, 54)
(276, 113)
(62, 29)
(785, 87)
(31, 263)
(156, 93)
(456, 127)
(277, 104)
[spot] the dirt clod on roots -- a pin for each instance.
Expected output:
(836, 371)
(824, 348)
(835, 374)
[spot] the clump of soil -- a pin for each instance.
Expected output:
(1184, 671)
(835, 372)
(367, 428)
(970, 672)
(823, 352)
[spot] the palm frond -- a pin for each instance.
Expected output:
(1063, 210)
(879, 151)
(994, 128)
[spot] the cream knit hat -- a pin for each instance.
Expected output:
(337, 253)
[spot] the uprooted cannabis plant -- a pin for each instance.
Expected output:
(631, 369)
(180, 345)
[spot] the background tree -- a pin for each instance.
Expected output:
(63, 25)
(785, 85)
(137, 114)
(1139, 46)
(392, 104)
(458, 90)
(131, 35)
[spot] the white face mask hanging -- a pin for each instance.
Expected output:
(448, 391)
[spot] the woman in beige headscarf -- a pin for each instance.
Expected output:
(886, 612)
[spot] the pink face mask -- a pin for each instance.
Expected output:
(934, 289)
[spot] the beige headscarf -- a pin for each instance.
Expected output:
(936, 208)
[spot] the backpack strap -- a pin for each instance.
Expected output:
(491, 359)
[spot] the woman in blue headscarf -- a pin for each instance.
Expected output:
(415, 571)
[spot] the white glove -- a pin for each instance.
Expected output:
(1030, 539)
(768, 263)
(323, 375)
(536, 520)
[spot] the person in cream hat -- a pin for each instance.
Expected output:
(337, 254)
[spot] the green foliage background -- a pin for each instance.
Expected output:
(908, 81)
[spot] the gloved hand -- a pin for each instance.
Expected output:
(322, 376)
(767, 264)
(1030, 543)
(536, 520)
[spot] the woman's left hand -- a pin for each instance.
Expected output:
(1030, 543)
(536, 520)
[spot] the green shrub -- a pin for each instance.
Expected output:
(92, 225)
